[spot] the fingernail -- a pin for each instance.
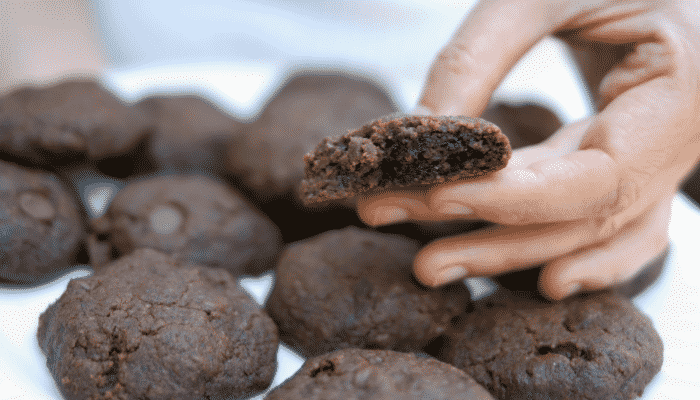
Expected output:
(453, 209)
(450, 274)
(384, 215)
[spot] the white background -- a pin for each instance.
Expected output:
(235, 53)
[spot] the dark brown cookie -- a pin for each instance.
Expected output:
(403, 151)
(354, 374)
(268, 155)
(354, 288)
(40, 226)
(56, 124)
(201, 220)
(190, 133)
(596, 346)
(150, 328)
(528, 280)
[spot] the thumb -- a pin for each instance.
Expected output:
(493, 37)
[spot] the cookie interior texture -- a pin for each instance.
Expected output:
(403, 151)
(150, 327)
(596, 346)
(355, 374)
(354, 288)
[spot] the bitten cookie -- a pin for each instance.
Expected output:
(403, 151)
(354, 374)
(190, 133)
(150, 328)
(354, 288)
(268, 155)
(596, 346)
(49, 125)
(199, 219)
(40, 227)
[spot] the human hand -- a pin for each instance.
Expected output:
(592, 202)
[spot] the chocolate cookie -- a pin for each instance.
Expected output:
(190, 133)
(354, 374)
(596, 346)
(354, 288)
(403, 151)
(54, 125)
(199, 219)
(268, 155)
(40, 227)
(148, 327)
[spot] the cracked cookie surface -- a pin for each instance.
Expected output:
(595, 346)
(354, 288)
(150, 328)
(197, 218)
(355, 374)
(40, 227)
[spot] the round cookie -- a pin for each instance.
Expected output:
(40, 227)
(56, 124)
(354, 288)
(268, 155)
(596, 346)
(201, 220)
(150, 328)
(403, 150)
(190, 133)
(355, 374)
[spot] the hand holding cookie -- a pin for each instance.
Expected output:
(592, 202)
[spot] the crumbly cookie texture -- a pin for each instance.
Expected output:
(402, 151)
(151, 328)
(356, 374)
(354, 288)
(596, 346)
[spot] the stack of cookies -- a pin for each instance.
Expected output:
(209, 199)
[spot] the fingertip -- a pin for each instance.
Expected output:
(435, 268)
(382, 215)
(555, 287)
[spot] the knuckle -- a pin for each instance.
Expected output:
(458, 58)
(605, 228)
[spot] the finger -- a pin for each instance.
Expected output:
(501, 249)
(646, 62)
(544, 183)
(482, 51)
(390, 207)
(574, 186)
(613, 262)
(385, 207)
(650, 129)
